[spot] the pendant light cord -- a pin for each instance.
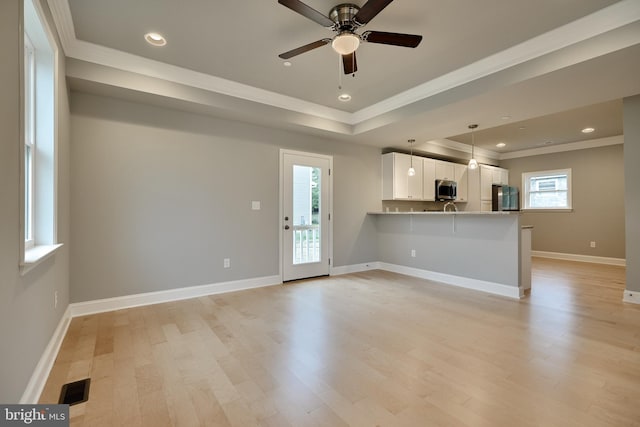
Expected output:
(411, 141)
(473, 163)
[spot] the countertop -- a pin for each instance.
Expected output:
(444, 213)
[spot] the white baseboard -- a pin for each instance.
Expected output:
(129, 301)
(580, 258)
(631, 296)
(449, 279)
(40, 374)
(354, 268)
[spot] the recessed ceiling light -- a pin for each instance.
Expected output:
(344, 97)
(286, 64)
(522, 127)
(587, 130)
(505, 117)
(548, 142)
(155, 39)
(501, 144)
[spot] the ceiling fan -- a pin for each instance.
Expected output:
(344, 19)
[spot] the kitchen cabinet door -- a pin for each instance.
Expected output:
(445, 170)
(500, 176)
(486, 180)
(415, 181)
(396, 182)
(428, 179)
(461, 178)
(504, 176)
(395, 185)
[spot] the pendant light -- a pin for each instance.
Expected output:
(473, 163)
(411, 171)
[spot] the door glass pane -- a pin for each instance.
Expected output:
(306, 214)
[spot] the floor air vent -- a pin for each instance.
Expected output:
(75, 392)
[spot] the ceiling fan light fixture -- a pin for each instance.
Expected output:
(345, 43)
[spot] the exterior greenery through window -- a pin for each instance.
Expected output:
(547, 189)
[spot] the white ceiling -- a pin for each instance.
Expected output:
(550, 65)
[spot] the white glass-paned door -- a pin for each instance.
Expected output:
(305, 216)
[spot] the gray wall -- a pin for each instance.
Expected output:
(598, 202)
(160, 197)
(480, 247)
(27, 314)
(632, 194)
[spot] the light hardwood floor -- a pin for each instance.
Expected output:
(367, 349)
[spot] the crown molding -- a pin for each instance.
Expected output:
(571, 146)
(599, 22)
(102, 55)
(607, 19)
(464, 148)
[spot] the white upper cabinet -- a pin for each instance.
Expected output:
(499, 176)
(415, 181)
(445, 170)
(461, 179)
(479, 183)
(396, 182)
(486, 180)
(398, 185)
(428, 179)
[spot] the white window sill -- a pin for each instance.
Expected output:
(547, 210)
(37, 254)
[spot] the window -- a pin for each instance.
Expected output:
(38, 162)
(29, 138)
(547, 190)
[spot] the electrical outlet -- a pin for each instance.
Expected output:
(227, 263)
(593, 244)
(55, 299)
(413, 253)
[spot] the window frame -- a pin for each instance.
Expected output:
(40, 241)
(29, 141)
(526, 191)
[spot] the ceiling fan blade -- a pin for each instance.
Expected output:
(369, 10)
(307, 12)
(303, 49)
(395, 39)
(349, 63)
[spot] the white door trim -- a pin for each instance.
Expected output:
(284, 151)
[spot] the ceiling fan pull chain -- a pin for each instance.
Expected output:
(339, 72)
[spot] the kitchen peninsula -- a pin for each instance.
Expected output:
(486, 251)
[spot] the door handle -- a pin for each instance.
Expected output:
(286, 227)
(286, 218)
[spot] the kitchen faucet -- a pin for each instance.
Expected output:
(450, 207)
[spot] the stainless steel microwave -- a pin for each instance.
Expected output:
(446, 189)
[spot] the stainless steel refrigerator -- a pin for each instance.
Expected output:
(505, 198)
